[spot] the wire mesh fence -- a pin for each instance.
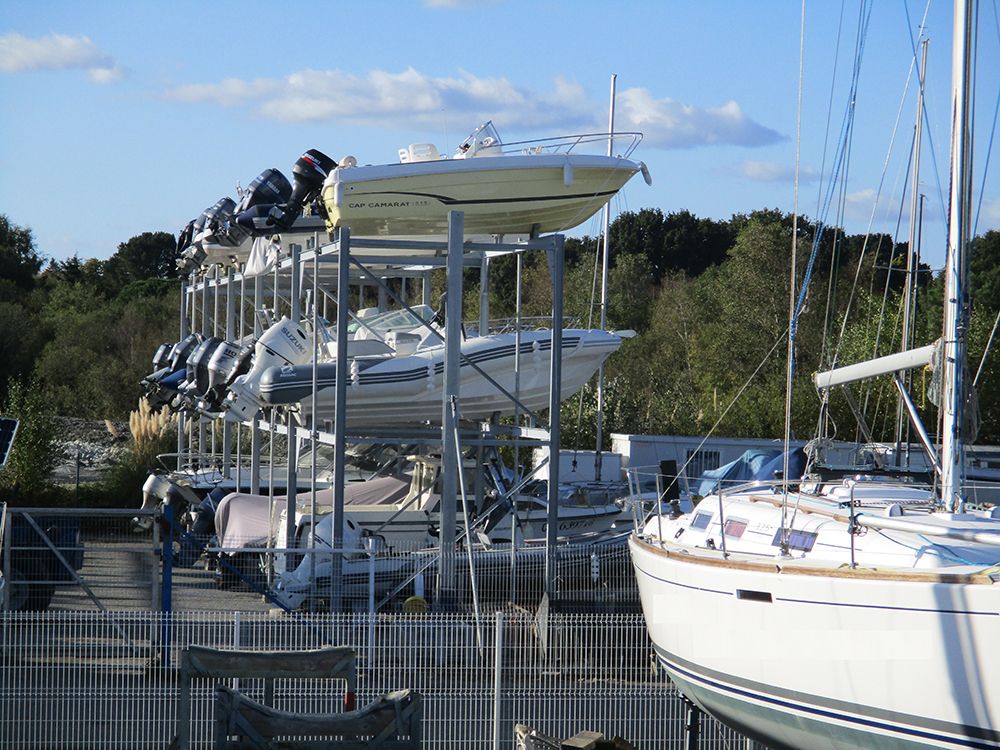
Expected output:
(110, 679)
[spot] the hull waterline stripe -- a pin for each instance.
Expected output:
(862, 717)
(956, 735)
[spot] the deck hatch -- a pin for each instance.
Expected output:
(797, 539)
(735, 527)
(701, 521)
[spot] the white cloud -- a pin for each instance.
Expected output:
(18, 54)
(410, 99)
(407, 99)
(672, 124)
(766, 171)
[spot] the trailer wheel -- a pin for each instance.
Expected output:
(31, 595)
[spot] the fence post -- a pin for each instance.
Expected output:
(167, 581)
(155, 582)
(497, 680)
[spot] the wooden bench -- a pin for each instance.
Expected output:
(214, 664)
(393, 722)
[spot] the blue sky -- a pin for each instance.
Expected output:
(119, 118)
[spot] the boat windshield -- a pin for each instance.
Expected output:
(393, 320)
(483, 141)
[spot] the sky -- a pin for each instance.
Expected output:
(122, 118)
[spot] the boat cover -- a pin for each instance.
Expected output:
(754, 465)
(242, 519)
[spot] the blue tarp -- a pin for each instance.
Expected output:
(761, 465)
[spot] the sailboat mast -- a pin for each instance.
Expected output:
(604, 284)
(910, 286)
(956, 310)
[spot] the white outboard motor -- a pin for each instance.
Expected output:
(155, 490)
(292, 587)
(284, 343)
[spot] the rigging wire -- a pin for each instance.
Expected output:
(838, 176)
(791, 297)
(982, 192)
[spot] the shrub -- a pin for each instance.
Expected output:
(34, 454)
(153, 433)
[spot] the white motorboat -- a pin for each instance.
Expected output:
(404, 383)
(851, 613)
(403, 511)
(548, 185)
(519, 188)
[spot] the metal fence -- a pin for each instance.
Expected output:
(110, 679)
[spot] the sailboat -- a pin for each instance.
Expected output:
(844, 613)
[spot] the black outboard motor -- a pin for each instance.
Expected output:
(197, 366)
(185, 237)
(241, 365)
(217, 223)
(310, 171)
(268, 189)
(162, 356)
(161, 368)
(183, 349)
(202, 529)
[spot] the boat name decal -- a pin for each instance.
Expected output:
(387, 204)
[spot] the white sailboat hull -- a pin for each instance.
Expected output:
(827, 657)
(499, 195)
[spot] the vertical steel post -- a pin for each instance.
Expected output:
(484, 295)
(451, 460)
(292, 484)
(555, 387)
(340, 412)
(258, 295)
(230, 335)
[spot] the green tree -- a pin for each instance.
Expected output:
(19, 261)
(33, 455)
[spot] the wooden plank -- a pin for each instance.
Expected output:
(700, 557)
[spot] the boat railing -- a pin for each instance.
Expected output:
(566, 144)
(650, 492)
(509, 325)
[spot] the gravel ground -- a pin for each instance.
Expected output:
(89, 443)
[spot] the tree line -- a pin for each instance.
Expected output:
(708, 300)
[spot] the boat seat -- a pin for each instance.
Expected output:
(419, 152)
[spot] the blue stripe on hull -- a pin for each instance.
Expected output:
(758, 711)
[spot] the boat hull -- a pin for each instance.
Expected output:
(409, 389)
(895, 660)
(499, 195)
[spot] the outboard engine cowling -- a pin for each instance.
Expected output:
(284, 343)
(218, 228)
(197, 366)
(267, 190)
(218, 372)
(310, 171)
(183, 349)
(162, 356)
